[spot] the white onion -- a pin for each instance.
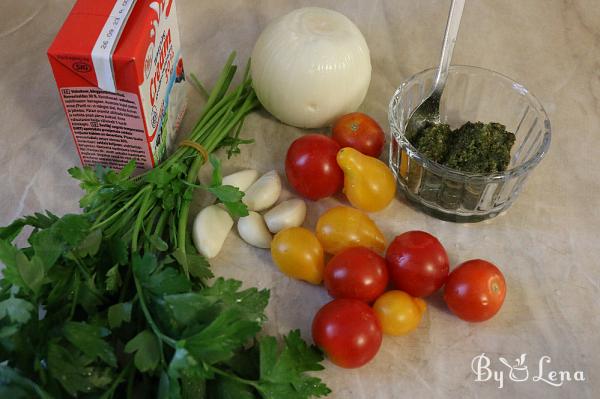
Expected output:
(310, 67)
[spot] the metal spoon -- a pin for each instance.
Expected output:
(429, 110)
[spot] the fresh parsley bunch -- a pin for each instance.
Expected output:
(114, 302)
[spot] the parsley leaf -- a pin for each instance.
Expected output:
(240, 316)
(227, 193)
(144, 266)
(72, 228)
(199, 266)
(13, 385)
(183, 363)
(127, 170)
(282, 374)
(18, 310)
(160, 177)
(90, 244)
(48, 246)
(119, 313)
(251, 300)
(75, 371)
(158, 243)
(236, 209)
(189, 307)
(159, 279)
(88, 339)
(117, 250)
(167, 281)
(31, 271)
(8, 256)
(37, 220)
(218, 341)
(113, 279)
(230, 196)
(147, 351)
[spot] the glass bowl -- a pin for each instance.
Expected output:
(471, 94)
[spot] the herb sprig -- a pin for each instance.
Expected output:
(116, 302)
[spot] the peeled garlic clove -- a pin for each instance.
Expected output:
(253, 230)
(242, 179)
(290, 213)
(264, 192)
(211, 227)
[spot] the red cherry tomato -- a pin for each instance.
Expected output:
(418, 263)
(348, 331)
(360, 132)
(475, 290)
(311, 166)
(356, 273)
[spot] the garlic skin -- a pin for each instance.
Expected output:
(310, 67)
(253, 230)
(263, 193)
(242, 179)
(211, 226)
(290, 213)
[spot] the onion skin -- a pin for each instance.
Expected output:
(310, 67)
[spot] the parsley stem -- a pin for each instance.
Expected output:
(160, 225)
(130, 381)
(140, 219)
(115, 203)
(109, 393)
(222, 129)
(86, 274)
(123, 208)
(75, 297)
(161, 337)
(150, 220)
(222, 81)
(125, 287)
(234, 377)
(124, 220)
(199, 86)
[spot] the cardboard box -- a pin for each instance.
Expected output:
(119, 72)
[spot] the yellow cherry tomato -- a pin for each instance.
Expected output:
(344, 227)
(368, 183)
(398, 312)
(298, 253)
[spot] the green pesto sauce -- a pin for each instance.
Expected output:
(474, 147)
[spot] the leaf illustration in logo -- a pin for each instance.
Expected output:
(519, 372)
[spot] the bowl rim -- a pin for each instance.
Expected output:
(442, 169)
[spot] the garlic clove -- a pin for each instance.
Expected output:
(210, 230)
(264, 192)
(290, 213)
(242, 179)
(253, 230)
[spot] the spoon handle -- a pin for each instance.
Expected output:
(452, 25)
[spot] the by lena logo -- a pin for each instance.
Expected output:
(518, 371)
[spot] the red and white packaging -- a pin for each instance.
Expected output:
(119, 72)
